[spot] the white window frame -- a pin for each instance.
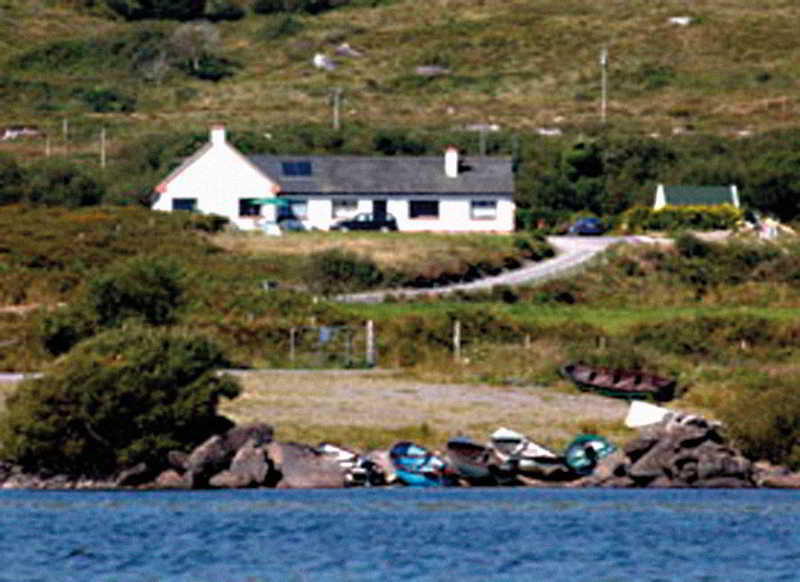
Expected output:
(344, 208)
(483, 209)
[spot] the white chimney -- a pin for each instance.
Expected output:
(217, 134)
(451, 162)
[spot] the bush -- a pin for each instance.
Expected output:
(104, 100)
(60, 183)
(310, 6)
(11, 180)
(673, 218)
(124, 397)
(335, 271)
(145, 288)
(223, 10)
(172, 9)
(763, 417)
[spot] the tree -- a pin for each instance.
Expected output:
(123, 397)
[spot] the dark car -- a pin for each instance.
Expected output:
(367, 221)
(587, 226)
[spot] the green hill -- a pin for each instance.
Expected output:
(521, 64)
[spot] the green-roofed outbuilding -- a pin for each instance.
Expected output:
(695, 196)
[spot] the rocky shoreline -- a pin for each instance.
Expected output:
(684, 453)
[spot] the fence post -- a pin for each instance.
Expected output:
(457, 340)
(370, 355)
(292, 333)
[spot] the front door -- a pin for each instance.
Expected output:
(379, 209)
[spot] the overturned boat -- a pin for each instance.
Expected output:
(416, 466)
(358, 470)
(527, 458)
(620, 383)
(478, 464)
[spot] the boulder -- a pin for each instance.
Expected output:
(137, 475)
(299, 466)
(171, 479)
(260, 433)
(177, 460)
(207, 460)
(781, 481)
(689, 452)
(216, 453)
(249, 468)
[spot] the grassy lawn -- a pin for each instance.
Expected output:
(383, 248)
(612, 320)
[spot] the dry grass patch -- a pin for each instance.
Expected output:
(386, 249)
(367, 409)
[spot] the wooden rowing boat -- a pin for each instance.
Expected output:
(620, 383)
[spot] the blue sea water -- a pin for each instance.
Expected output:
(550, 535)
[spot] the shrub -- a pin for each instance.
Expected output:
(763, 417)
(721, 217)
(60, 183)
(11, 180)
(310, 6)
(104, 100)
(145, 288)
(172, 9)
(223, 10)
(124, 397)
(336, 271)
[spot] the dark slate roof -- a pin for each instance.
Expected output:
(697, 195)
(390, 175)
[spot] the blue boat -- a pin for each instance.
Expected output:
(416, 466)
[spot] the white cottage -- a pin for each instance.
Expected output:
(433, 193)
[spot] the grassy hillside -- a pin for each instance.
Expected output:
(522, 64)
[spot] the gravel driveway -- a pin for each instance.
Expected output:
(571, 252)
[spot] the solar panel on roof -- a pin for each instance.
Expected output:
(296, 168)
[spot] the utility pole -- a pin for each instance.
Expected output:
(337, 97)
(103, 148)
(603, 84)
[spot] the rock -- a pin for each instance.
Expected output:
(171, 479)
(780, 481)
(177, 460)
(249, 468)
(610, 471)
(229, 480)
(207, 460)
(260, 433)
(686, 451)
(137, 475)
(216, 454)
(638, 447)
(300, 466)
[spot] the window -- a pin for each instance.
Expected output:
(423, 209)
(296, 168)
(294, 209)
(344, 208)
(247, 207)
(189, 204)
(483, 209)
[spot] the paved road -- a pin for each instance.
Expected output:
(571, 252)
